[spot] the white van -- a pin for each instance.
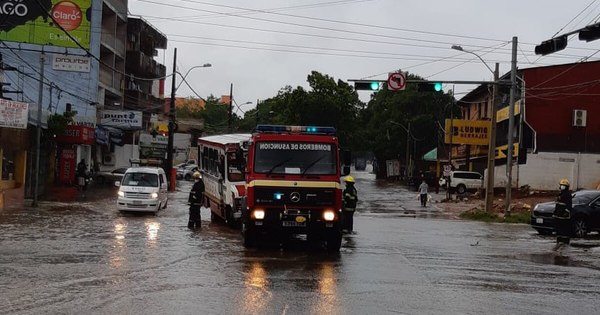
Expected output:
(461, 181)
(142, 189)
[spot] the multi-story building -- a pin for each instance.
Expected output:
(555, 135)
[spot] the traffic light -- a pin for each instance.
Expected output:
(551, 45)
(590, 33)
(367, 85)
(429, 87)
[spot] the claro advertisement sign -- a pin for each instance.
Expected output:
(460, 131)
(35, 22)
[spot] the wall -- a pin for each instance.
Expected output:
(545, 169)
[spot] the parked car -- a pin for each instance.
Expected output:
(585, 216)
(186, 171)
(360, 164)
(109, 176)
(462, 181)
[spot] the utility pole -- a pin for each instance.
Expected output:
(230, 108)
(39, 132)
(511, 124)
(407, 151)
(172, 127)
(489, 188)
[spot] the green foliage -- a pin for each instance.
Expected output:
(57, 125)
(482, 215)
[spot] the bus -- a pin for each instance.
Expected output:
(221, 167)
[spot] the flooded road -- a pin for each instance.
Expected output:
(86, 258)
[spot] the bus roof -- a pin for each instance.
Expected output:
(225, 139)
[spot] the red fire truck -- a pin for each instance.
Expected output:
(222, 173)
(293, 185)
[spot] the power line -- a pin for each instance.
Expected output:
(576, 16)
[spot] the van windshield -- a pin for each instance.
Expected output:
(140, 179)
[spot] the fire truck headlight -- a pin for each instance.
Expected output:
(259, 214)
(328, 215)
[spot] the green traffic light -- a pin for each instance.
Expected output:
(374, 86)
(437, 86)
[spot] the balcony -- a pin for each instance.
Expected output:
(141, 65)
(138, 100)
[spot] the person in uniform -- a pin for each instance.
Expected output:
(350, 196)
(195, 200)
(562, 212)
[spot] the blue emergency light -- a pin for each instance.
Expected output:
(295, 129)
(277, 196)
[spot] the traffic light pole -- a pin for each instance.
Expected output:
(511, 124)
(491, 163)
(172, 113)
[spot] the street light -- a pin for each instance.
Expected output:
(168, 165)
(491, 163)
(206, 65)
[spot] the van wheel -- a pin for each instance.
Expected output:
(165, 205)
(461, 189)
(213, 216)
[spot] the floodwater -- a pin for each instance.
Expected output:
(86, 258)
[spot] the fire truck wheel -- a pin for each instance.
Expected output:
(249, 239)
(334, 242)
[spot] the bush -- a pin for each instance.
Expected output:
(481, 215)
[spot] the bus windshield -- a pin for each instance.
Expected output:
(303, 158)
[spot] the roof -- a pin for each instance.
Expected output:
(150, 170)
(226, 138)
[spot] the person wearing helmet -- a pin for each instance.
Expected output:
(195, 201)
(350, 196)
(562, 212)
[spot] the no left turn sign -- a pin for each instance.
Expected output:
(396, 81)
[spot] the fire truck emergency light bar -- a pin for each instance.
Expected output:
(295, 129)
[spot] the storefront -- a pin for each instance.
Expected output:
(75, 145)
(13, 152)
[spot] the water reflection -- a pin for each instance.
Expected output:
(152, 233)
(117, 255)
(256, 293)
(327, 302)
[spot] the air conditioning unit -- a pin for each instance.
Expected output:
(579, 118)
(109, 159)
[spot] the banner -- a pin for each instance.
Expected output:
(124, 120)
(24, 21)
(467, 131)
(13, 114)
(67, 165)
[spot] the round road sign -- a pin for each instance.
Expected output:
(396, 81)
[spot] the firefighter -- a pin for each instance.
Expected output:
(562, 212)
(195, 200)
(350, 196)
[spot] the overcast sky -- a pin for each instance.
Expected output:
(261, 46)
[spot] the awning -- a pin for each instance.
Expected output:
(431, 155)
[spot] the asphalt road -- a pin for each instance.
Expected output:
(86, 258)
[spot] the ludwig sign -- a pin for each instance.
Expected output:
(125, 120)
(468, 131)
(13, 114)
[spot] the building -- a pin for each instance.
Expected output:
(556, 134)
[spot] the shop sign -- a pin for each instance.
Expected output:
(125, 120)
(71, 63)
(67, 166)
(78, 135)
(467, 131)
(13, 114)
(153, 147)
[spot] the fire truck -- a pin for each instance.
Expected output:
(293, 185)
(222, 173)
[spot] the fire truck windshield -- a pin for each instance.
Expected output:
(295, 158)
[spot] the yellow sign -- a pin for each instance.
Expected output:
(46, 22)
(300, 219)
(467, 131)
(502, 151)
(502, 114)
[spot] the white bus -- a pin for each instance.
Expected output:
(221, 167)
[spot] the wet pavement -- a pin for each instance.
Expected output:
(86, 258)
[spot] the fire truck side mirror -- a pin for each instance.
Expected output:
(240, 160)
(346, 170)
